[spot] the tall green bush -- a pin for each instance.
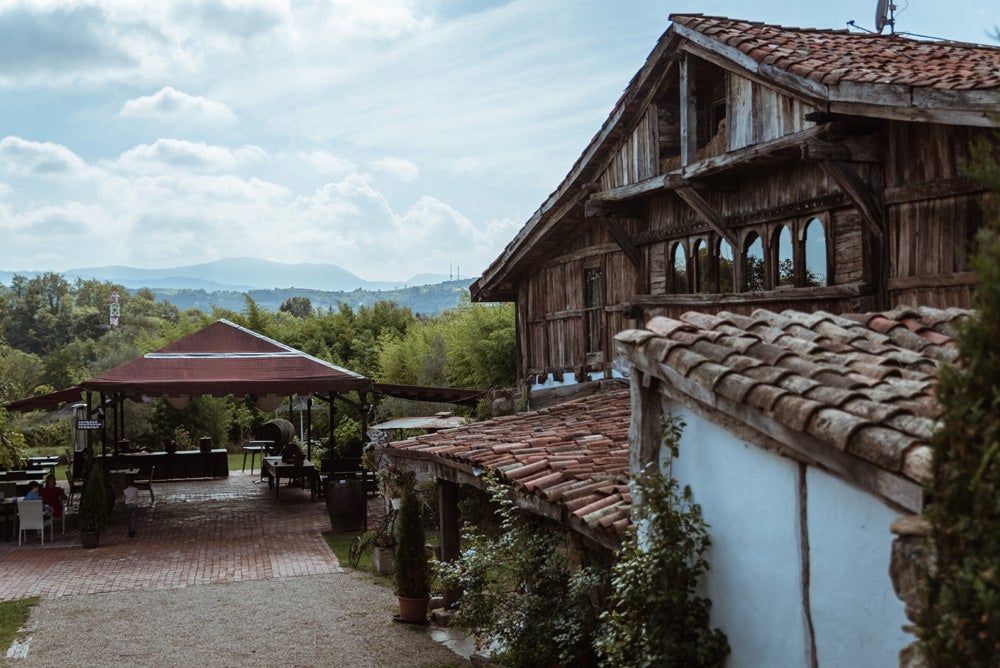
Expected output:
(412, 567)
(93, 511)
(655, 618)
(960, 625)
(519, 598)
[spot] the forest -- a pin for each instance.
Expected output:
(55, 334)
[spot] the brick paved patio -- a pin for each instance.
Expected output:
(198, 532)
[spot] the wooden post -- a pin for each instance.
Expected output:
(689, 112)
(644, 431)
(448, 529)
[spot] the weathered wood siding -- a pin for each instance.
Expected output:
(555, 333)
(755, 113)
(933, 213)
(637, 158)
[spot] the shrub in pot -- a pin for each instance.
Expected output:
(412, 568)
(93, 511)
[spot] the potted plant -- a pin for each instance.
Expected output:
(412, 569)
(383, 550)
(93, 510)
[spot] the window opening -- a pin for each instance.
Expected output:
(593, 311)
(815, 245)
(786, 265)
(726, 267)
(753, 264)
(702, 267)
(678, 263)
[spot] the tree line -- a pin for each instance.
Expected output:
(54, 334)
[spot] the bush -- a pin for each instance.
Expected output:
(412, 569)
(519, 597)
(655, 618)
(960, 624)
(93, 511)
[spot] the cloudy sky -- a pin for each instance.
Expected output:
(390, 137)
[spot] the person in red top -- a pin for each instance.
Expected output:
(53, 495)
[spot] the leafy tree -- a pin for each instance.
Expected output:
(960, 625)
(481, 347)
(300, 307)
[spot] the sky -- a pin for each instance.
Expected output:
(391, 138)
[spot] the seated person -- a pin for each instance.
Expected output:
(53, 495)
(33, 495)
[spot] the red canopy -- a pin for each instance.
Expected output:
(222, 359)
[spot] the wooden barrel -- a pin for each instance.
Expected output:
(347, 505)
(280, 432)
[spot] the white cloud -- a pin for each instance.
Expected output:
(401, 168)
(169, 104)
(171, 154)
(39, 159)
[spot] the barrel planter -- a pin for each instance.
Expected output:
(347, 505)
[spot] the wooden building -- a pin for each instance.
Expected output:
(754, 166)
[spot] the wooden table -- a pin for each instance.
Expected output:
(275, 469)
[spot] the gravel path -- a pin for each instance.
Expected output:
(341, 619)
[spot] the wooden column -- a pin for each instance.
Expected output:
(689, 114)
(644, 431)
(448, 529)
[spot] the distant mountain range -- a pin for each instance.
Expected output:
(239, 274)
(224, 283)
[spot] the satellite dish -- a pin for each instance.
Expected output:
(882, 17)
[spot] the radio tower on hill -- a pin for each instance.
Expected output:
(115, 311)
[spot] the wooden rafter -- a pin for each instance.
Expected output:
(706, 213)
(870, 207)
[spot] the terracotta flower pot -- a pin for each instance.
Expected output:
(413, 610)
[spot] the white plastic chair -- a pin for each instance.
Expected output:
(31, 517)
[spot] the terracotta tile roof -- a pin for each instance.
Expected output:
(574, 455)
(860, 383)
(834, 56)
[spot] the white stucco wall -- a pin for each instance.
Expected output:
(850, 545)
(750, 498)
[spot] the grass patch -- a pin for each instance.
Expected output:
(13, 616)
(340, 544)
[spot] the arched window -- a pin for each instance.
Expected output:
(785, 269)
(702, 267)
(727, 267)
(753, 263)
(678, 269)
(815, 245)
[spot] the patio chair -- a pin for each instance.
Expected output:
(147, 484)
(30, 517)
(75, 487)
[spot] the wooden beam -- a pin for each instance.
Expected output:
(689, 113)
(619, 234)
(598, 208)
(917, 192)
(706, 213)
(870, 207)
(851, 149)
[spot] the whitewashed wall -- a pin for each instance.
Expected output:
(750, 498)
